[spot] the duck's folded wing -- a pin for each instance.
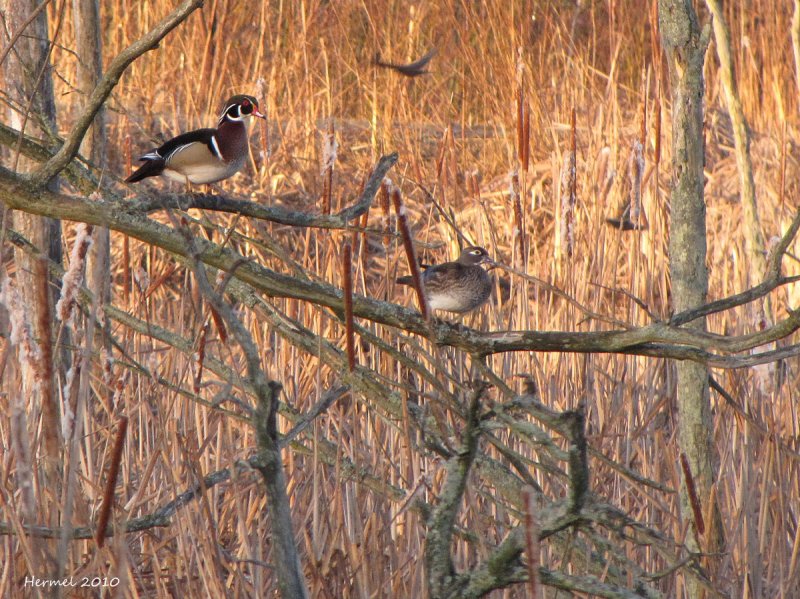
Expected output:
(441, 276)
(201, 140)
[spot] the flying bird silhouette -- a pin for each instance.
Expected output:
(412, 69)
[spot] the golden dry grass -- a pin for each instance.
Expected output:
(314, 61)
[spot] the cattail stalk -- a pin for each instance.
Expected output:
(51, 420)
(73, 278)
(201, 357)
(329, 148)
(126, 270)
(347, 285)
(70, 397)
(411, 255)
(710, 507)
(21, 329)
(657, 118)
(523, 129)
(573, 163)
(636, 172)
(569, 192)
(21, 336)
(111, 481)
(692, 492)
(519, 221)
(127, 154)
(386, 207)
(126, 244)
(782, 177)
(363, 251)
(261, 87)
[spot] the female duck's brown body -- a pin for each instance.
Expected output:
(460, 286)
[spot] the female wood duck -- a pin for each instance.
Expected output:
(204, 155)
(459, 286)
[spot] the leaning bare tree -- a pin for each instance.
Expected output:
(685, 46)
(29, 92)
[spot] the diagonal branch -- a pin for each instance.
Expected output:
(657, 339)
(270, 213)
(104, 87)
(291, 581)
(442, 578)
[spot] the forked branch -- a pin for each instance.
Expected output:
(104, 87)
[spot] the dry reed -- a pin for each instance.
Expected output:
(347, 287)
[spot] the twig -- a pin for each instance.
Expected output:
(276, 214)
(201, 356)
(738, 409)
(656, 339)
(321, 406)
(370, 189)
(18, 33)
(563, 294)
(347, 286)
(287, 561)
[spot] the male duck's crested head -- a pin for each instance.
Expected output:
(239, 107)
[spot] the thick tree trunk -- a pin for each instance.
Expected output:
(796, 43)
(29, 82)
(89, 47)
(685, 47)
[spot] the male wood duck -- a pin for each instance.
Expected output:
(459, 286)
(204, 155)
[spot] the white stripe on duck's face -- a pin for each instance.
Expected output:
(233, 113)
(238, 111)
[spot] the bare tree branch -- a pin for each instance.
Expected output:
(270, 213)
(104, 87)
(657, 339)
(288, 569)
(443, 581)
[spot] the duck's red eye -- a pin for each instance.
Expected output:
(245, 103)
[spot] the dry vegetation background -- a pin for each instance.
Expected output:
(350, 473)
